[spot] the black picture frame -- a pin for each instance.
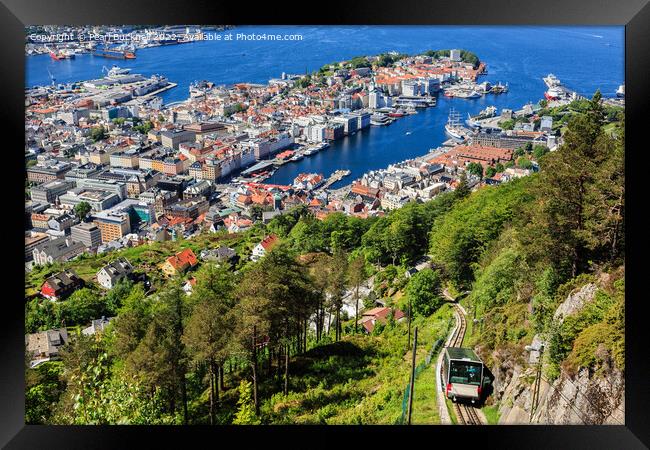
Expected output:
(633, 14)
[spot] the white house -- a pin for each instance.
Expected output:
(260, 249)
(112, 273)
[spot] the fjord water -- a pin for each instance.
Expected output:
(583, 58)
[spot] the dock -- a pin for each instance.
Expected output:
(336, 176)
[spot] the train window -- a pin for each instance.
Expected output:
(465, 373)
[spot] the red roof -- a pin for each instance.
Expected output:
(269, 241)
(379, 314)
(183, 259)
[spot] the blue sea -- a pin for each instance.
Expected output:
(583, 58)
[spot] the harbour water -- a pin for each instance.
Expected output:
(583, 58)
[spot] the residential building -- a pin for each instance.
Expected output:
(114, 272)
(179, 263)
(45, 345)
(61, 285)
(380, 315)
(264, 247)
(59, 249)
(97, 326)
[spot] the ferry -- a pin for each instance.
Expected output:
(114, 54)
(620, 92)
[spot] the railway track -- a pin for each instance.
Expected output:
(466, 414)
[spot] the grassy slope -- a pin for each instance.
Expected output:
(361, 380)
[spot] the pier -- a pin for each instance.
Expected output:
(336, 176)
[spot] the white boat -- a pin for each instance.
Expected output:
(620, 92)
(466, 94)
(551, 80)
(116, 71)
(553, 93)
(452, 128)
(379, 119)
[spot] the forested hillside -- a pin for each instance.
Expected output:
(269, 341)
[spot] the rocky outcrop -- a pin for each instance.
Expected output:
(575, 302)
(590, 396)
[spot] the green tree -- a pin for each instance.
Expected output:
(83, 306)
(357, 275)
(475, 169)
(524, 163)
(490, 172)
(211, 324)
(424, 292)
(81, 210)
(577, 180)
(98, 134)
(245, 406)
(539, 151)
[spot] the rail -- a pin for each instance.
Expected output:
(466, 414)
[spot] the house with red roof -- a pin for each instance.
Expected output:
(179, 263)
(264, 247)
(379, 315)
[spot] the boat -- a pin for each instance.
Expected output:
(452, 128)
(551, 81)
(620, 92)
(115, 71)
(499, 88)
(467, 94)
(553, 93)
(379, 119)
(61, 54)
(309, 152)
(397, 113)
(296, 158)
(114, 54)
